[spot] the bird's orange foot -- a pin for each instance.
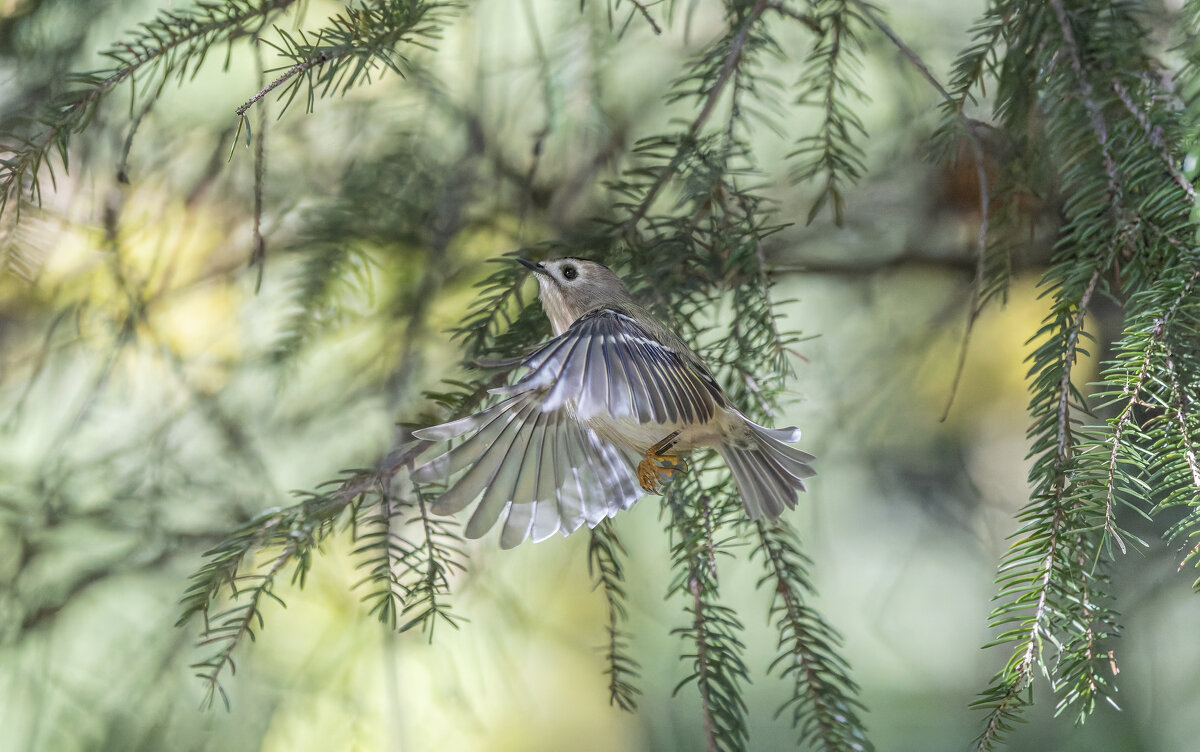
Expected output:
(657, 468)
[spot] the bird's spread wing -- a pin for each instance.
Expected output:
(607, 363)
(538, 462)
(548, 471)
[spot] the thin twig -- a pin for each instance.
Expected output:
(975, 309)
(992, 729)
(808, 21)
(811, 675)
(258, 255)
(710, 103)
(300, 67)
(710, 736)
(1099, 127)
(905, 50)
(1064, 443)
(1154, 135)
(646, 13)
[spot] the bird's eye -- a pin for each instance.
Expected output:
(570, 273)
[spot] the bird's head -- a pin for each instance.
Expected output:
(570, 287)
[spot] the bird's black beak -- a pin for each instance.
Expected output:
(535, 268)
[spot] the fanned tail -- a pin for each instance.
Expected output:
(768, 472)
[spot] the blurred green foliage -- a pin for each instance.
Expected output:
(155, 396)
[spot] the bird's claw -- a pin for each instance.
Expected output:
(655, 468)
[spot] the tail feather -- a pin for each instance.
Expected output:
(791, 434)
(759, 498)
(768, 473)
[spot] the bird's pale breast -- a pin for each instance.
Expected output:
(640, 436)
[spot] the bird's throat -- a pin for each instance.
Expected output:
(560, 314)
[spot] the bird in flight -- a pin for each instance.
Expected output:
(601, 413)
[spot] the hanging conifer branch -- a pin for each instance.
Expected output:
(832, 155)
(605, 553)
(823, 705)
(717, 666)
(710, 95)
(175, 43)
(1053, 582)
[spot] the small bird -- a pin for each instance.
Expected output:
(602, 412)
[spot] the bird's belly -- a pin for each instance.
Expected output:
(641, 436)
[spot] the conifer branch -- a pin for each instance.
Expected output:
(353, 46)
(1057, 565)
(176, 42)
(385, 552)
(1096, 117)
(718, 669)
(641, 7)
(236, 623)
(289, 536)
(709, 102)
(703, 669)
(981, 236)
(1154, 135)
(823, 707)
(1134, 398)
(1180, 412)
(605, 567)
(832, 154)
(787, 12)
(438, 557)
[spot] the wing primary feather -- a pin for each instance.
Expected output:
(545, 509)
(469, 451)
(525, 489)
(498, 491)
(516, 525)
(630, 490)
(570, 491)
(639, 395)
(482, 473)
(454, 428)
(654, 373)
(523, 500)
(593, 501)
(621, 399)
(615, 475)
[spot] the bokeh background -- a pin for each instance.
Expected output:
(128, 449)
